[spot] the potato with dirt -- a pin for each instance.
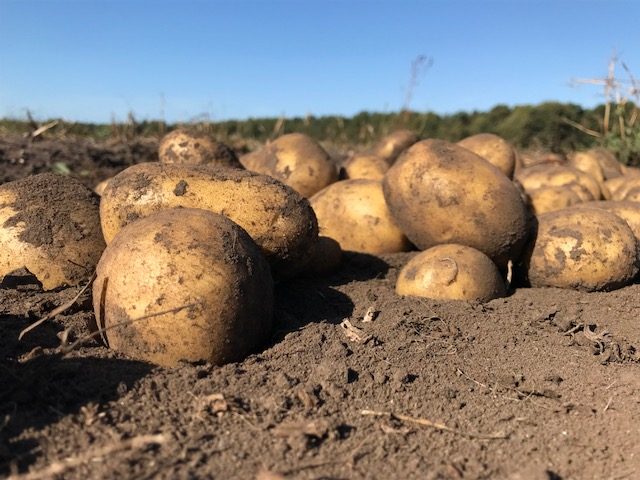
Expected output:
(625, 209)
(185, 147)
(439, 192)
(280, 221)
(364, 166)
(552, 198)
(392, 145)
(494, 149)
(582, 248)
(183, 285)
(50, 225)
(451, 272)
(296, 160)
(355, 214)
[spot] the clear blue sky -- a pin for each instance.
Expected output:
(88, 60)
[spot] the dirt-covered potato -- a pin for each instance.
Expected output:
(626, 210)
(392, 145)
(588, 163)
(555, 175)
(280, 221)
(451, 272)
(624, 187)
(496, 150)
(582, 248)
(296, 160)
(184, 147)
(50, 225)
(325, 258)
(183, 284)
(550, 199)
(355, 214)
(611, 186)
(439, 192)
(611, 167)
(364, 166)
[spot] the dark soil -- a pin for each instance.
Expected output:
(544, 384)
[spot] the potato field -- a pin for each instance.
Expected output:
(178, 307)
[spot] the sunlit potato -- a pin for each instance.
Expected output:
(555, 175)
(493, 148)
(364, 166)
(184, 147)
(392, 145)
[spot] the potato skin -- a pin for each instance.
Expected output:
(391, 146)
(183, 284)
(296, 160)
(355, 214)
(50, 225)
(494, 149)
(547, 175)
(439, 192)
(627, 210)
(183, 147)
(582, 248)
(364, 166)
(451, 272)
(549, 199)
(279, 220)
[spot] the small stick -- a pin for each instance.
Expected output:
(101, 330)
(57, 310)
(61, 466)
(437, 426)
(43, 128)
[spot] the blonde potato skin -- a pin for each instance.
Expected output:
(365, 166)
(548, 175)
(439, 192)
(625, 209)
(549, 199)
(392, 145)
(354, 213)
(496, 150)
(582, 248)
(451, 272)
(184, 147)
(588, 163)
(201, 269)
(296, 160)
(280, 221)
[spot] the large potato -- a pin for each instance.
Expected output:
(280, 221)
(451, 272)
(439, 192)
(364, 166)
(355, 214)
(494, 149)
(582, 248)
(50, 225)
(296, 160)
(183, 284)
(184, 147)
(555, 175)
(392, 145)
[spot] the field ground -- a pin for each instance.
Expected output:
(543, 384)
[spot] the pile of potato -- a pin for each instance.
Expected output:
(186, 251)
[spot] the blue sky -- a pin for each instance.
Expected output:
(182, 60)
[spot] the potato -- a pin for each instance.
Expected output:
(632, 195)
(439, 192)
(611, 167)
(531, 158)
(184, 147)
(626, 210)
(623, 187)
(554, 175)
(183, 284)
(611, 186)
(550, 199)
(296, 160)
(99, 188)
(582, 248)
(50, 225)
(280, 221)
(364, 166)
(494, 149)
(354, 213)
(588, 163)
(451, 272)
(326, 257)
(392, 145)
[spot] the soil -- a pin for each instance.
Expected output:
(543, 384)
